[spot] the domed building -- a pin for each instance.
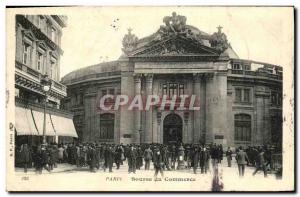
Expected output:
(239, 102)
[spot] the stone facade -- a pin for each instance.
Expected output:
(38, 53)
(238, 98)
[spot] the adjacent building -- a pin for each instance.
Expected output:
(240, 100)
(38, 53)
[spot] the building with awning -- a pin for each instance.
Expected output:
(38, 53)
(30, 122)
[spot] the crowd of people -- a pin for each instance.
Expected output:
(101, 156)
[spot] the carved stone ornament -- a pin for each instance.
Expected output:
(175, 25)
(129, 42)
(219, 40)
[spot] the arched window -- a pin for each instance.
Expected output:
(107, 126)
(242, 127)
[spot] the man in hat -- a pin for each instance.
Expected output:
(195, 158)
(188, 156)
(148, 154)
(109, 155)
(165, 155)
(92, 158)
(158, 162)
(260, 163)
(25, 156)
(204, 160)
(132, 156)
(229, 156)
(139, 160)
(38, 160)
(220, 153)
(241, 158)
(214, 153)
(173, 157)
(118, 156)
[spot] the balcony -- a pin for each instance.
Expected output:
(255, 73)
(253, 68)
(35, 76)
(40, 106)
(239, 72)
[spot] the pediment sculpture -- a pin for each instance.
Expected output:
(175, 25)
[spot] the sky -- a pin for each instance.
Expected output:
(94, 34)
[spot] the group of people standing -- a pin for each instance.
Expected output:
(103, 156)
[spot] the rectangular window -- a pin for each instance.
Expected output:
(17, 92)
(81, 99)
(40, 61)
(273, 98)
(52, 69)
(242, 127)
(246, 95)
(165, 89)
(39, 22)
(53, 34)
(238, 95)
(104, 92)
(173, 89)
(112, 91)
(181, 89)
(26, 54)
(279, 99)
(236, 67)
(247, 67)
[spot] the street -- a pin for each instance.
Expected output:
(174, 180)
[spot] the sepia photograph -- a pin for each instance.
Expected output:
(150, 99)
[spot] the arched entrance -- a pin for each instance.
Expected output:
(172, 129)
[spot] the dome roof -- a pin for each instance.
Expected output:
(91, 71)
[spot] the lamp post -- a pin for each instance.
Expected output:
(46, 85)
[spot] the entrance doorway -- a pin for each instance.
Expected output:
(172, 129)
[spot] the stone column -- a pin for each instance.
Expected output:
(186, 130)
(196, 130)
(137, 112)
(259, 136)
(158, 127)
(127, 127)
(203, 110)
(267, 119)
(262, 133)
(209, 77)
(148, 123)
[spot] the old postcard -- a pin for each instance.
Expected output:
(150, 99)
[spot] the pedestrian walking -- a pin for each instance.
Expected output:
(241, 158)
(195, 158)
(229, 156)
(60, 154)
(261, 163)
(132, 155)
(148, 154)
(26, 158)
(158, 163)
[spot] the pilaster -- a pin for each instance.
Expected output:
(148, 113)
